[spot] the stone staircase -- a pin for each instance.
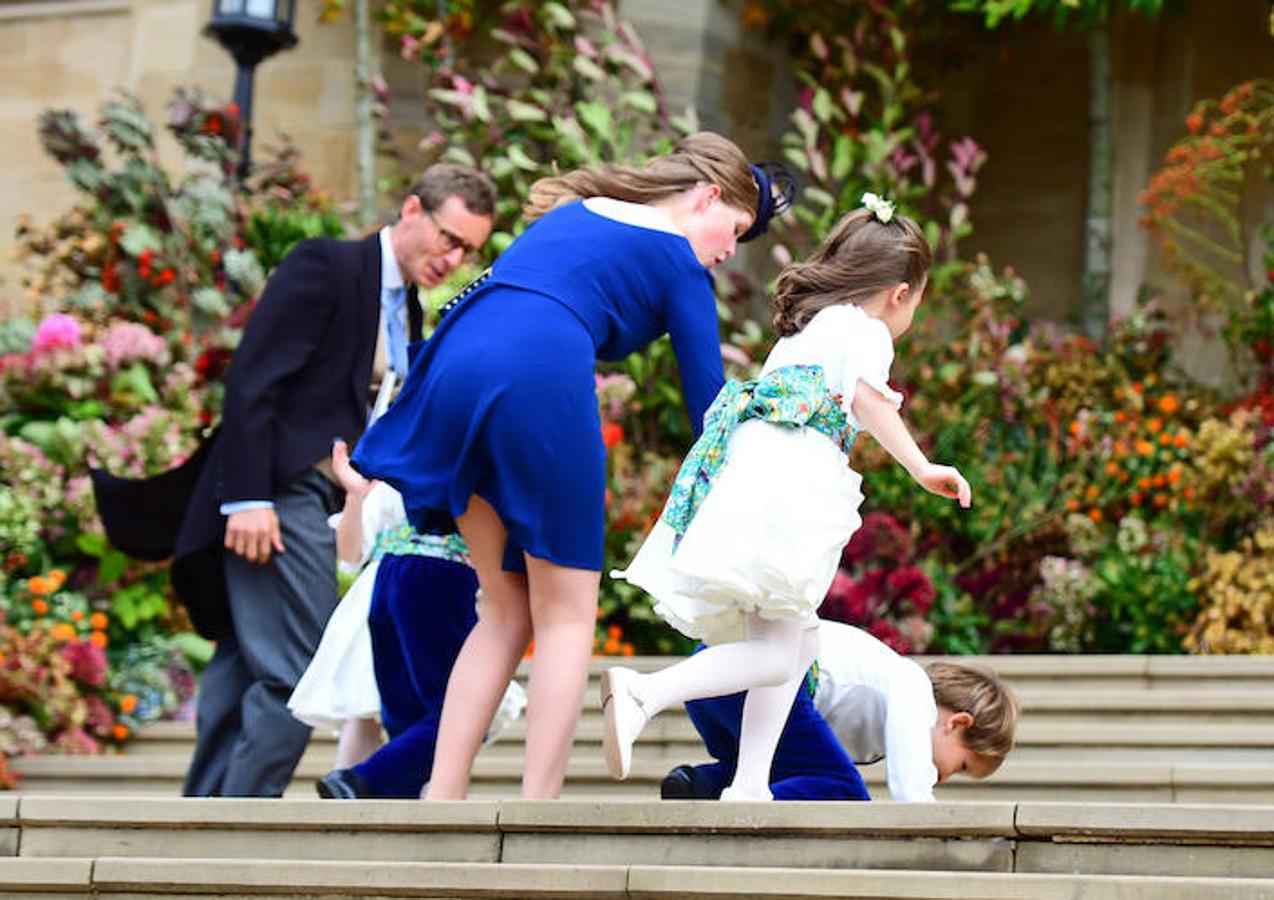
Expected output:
(1134, 778)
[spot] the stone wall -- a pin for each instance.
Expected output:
(75, 53)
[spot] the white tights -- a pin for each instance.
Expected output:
(769, 665)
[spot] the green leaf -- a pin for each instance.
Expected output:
(558, 15)
(518, 157)
(134, 383)
(112, 566)
(588, 69)
(824, 109)
(481, 108)
(842, 157)
(523, 60)
(525, 112)
(595, 116)
(138, 238)
(642, 101)
(90, 543)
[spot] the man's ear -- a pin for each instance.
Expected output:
(411, 207)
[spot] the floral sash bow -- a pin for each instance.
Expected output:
(796, 396)
(403, 540)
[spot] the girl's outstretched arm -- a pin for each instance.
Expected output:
(880, 418)
(349, 534)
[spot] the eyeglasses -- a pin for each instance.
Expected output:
(450, 240)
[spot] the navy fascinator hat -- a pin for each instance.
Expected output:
(776, 189)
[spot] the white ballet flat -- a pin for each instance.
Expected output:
(625, 719)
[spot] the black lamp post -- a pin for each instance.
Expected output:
(250, 30)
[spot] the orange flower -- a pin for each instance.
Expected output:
(1121, 449)
(614, 631)
(1154, 426)
(128, 704)
(1072, 504)
(98, 639)
(1092, 492)
(1181, 439)
(627, 649)
(1144, 447)
(97, 621)
(1135, 499)
(63, 632)
(612, 435)
(57, 577)
(1095, 514)
(1194, 122)
(1161, 499)
(76, 615)
(40, 585)
(1168, 404)
(1112, 468)
(1161, 480)
(1144, 482)
(1174, 475)
(120, 731)
(1075, 428)
(611, 647)
(1121, 416)
(1138, 387)
(39, 606)
(1188, 493)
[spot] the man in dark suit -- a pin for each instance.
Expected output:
(255, 560)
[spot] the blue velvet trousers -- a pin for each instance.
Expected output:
(422, 610)
(809, 764)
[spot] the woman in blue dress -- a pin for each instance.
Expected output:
(497, 425)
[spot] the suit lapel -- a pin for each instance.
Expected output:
(367, 296)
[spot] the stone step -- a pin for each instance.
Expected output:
(1095, 780)
(132, 879)
(1229, 842)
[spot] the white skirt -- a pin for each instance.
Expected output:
(766, 540)
(340, 682)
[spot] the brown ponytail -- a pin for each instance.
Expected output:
(858, 258)
(697, 158)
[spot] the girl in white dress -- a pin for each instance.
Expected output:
(749, 540)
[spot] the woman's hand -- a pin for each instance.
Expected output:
(354, 484)
(945, 481)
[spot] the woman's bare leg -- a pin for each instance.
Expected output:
(359, 739)
(488, 657)
(563, 615)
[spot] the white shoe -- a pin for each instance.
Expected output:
(625, 719)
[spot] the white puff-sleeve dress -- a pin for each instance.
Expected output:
(768, 537)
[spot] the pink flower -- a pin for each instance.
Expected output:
(907, 584)
(57, 330)
(128, 341)
(88, 662)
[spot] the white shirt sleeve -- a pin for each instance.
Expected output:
(910, 714)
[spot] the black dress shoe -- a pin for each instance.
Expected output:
(342, 784)
(682, 783)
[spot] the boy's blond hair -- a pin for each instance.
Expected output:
(962, 687)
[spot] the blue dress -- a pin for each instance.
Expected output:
(501, 400)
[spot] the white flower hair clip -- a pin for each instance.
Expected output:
(882, 209)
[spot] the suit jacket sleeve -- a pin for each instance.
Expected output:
(284, 332)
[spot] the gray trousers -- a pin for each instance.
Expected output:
(247, 742)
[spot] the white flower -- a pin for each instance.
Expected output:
(883, 209)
